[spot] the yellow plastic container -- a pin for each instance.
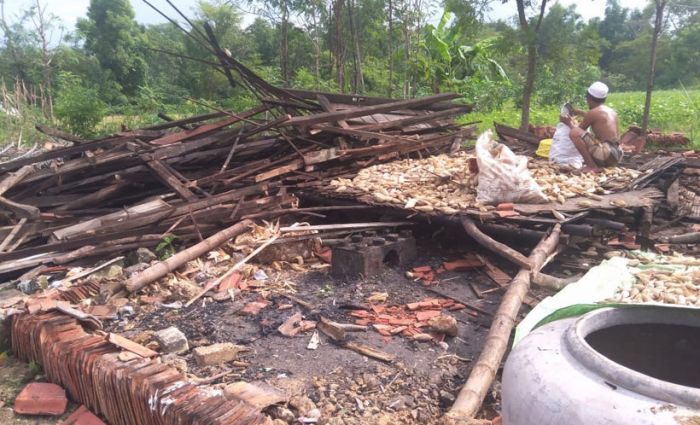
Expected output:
(543, 149)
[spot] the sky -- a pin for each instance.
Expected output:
(70, 10)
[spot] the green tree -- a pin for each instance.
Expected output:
(617, 26)
(78, 107)
(111, 34)
(444, 62)
(568, 54)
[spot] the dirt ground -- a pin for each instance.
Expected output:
(347, 387)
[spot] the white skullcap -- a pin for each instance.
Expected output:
(598, 90)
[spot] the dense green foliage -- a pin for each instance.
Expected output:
(111, 66)
(111, 35)
(78, 108)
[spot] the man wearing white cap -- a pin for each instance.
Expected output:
(602, 148)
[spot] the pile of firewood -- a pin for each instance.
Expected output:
(194, 176)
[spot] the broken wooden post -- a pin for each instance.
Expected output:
(12, 179)
(552, 282)
(484, 372)
(689, 238)
(232, 270)
(162, 268)
(501, 249)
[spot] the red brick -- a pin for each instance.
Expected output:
(39, 398)
(325, 254)
(379, 309)
(82, 416)
(463, 264)
(662, 248)
(505, 207)
(507, 213)
(423, 316)
(422, 269)
(230, 283)
(252, 309)
(401, 322)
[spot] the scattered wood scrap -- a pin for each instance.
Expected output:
(191, 177)
(370, 352)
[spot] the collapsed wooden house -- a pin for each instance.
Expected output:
(201, 178)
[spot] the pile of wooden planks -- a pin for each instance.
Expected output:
(194, 176)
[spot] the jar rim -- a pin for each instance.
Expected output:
(615, 373)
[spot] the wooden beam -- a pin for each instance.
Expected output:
(368, 110)
(162, 268)
(365, 135)
(492, 245)
(58, 134)
(28, 211)
(424, 118)
(92, 198)
(164, 175)
(179, 136)
(276, 172)
(356, 99)
(13, 179)
(326, 106)
(185, 121)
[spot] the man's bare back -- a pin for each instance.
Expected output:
(603, 150)
(603, 121)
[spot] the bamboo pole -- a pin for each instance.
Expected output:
(492, 245)
(162, 268)
(233, 269)
(484, 372)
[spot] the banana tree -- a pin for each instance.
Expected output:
(443, 60)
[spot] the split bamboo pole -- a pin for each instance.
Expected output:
(492, 245)
(162, 268)
(484, 372)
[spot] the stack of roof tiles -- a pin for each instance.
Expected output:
(126, 390)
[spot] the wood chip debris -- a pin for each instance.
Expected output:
(444, 184)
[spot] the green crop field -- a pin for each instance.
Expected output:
(671, 110)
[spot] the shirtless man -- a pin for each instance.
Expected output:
(602, 148)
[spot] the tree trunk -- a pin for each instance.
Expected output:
(531, 39)
(284, 44)
(529, 84)
(658, 24)
(339, 46)
(358, 81)
(317, 53)
(407, 49)
(40, 24)
(390, 40)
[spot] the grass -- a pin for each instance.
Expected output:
(671, 110)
